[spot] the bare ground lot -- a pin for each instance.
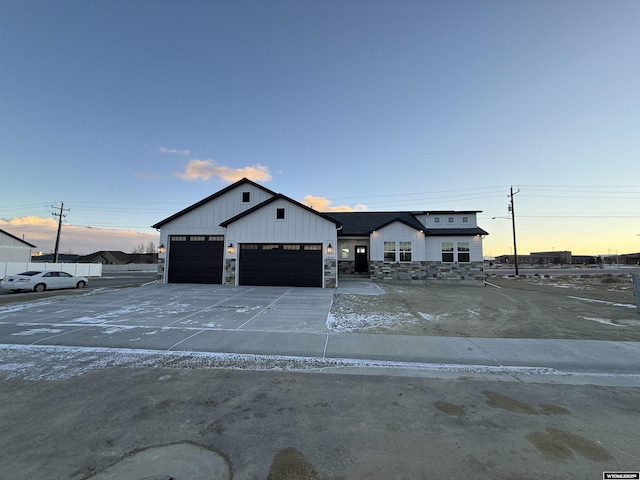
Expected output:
(589, 307)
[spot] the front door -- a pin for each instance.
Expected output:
(362, 262)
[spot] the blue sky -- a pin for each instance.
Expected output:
(128, 111)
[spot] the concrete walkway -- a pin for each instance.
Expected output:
(272, 322)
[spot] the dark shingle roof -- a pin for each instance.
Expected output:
(363, 223)
(455, 231)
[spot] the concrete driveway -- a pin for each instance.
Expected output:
(167, 317)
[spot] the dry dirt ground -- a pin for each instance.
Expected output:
(589, 307)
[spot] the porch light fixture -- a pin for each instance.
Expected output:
(329, 249)
(161, 249)
(230, 248)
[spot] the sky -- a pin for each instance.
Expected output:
(129, 111)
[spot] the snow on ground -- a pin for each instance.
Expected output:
(36, 331)
(613, 304)
(37, 362)
(352, 322)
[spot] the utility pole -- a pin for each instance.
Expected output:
(513, 225)
(60, 217)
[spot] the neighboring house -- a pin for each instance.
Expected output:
(246, 234)
(49, 257)
(106, 257)
(14, 249)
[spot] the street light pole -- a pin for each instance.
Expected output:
(513, 226)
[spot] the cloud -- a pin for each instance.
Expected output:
(205, 169)
(322, 204)
(174, 151)
(41, 232)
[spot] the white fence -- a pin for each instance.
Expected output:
(131, 267)
(77, 269)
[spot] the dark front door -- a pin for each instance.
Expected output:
(362, 262)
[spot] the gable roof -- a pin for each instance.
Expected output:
(435, 232)
(363, 223)
(16, 238)
(278, 196)
(212, 197)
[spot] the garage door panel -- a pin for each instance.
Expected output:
(196, 259)
(280, 265)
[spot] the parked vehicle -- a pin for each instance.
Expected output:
(39, 281)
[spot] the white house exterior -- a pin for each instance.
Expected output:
(13, 249)
(246, 234)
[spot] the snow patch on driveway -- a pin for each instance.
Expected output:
(36, 331)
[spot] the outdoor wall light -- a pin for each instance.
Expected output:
(161, 249)
(329, 249)
(230, 248)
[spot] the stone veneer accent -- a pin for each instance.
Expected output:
(330, 273)
(428, 272)
(347, 267)
(230, 271)
(459, 273)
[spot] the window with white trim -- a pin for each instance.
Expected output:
(405, 251)
(436, 220)
(465, 219)
(389, 251)
(463, 252)
(447, 252)
(451, 219)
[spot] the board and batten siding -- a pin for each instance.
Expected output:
(429, 220)
(206, 218)
(397, 232)
(298, 226)
(434, 247)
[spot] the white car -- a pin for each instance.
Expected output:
(39, 281)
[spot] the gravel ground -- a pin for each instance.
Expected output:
(594, 307)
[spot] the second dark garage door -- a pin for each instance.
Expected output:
(288, 264)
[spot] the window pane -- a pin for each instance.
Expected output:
(447, 257)
(447, 251)
(405, 251)
(389, 251)
(280, 213)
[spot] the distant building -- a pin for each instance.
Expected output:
(14, 249)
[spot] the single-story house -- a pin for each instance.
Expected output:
(246, 234)
(14, 249)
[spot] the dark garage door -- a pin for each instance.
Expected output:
(195, 258)
(294, 265)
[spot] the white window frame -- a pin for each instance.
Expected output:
(464, 248)
(385, 252)
(404, 253)
(447, 248)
